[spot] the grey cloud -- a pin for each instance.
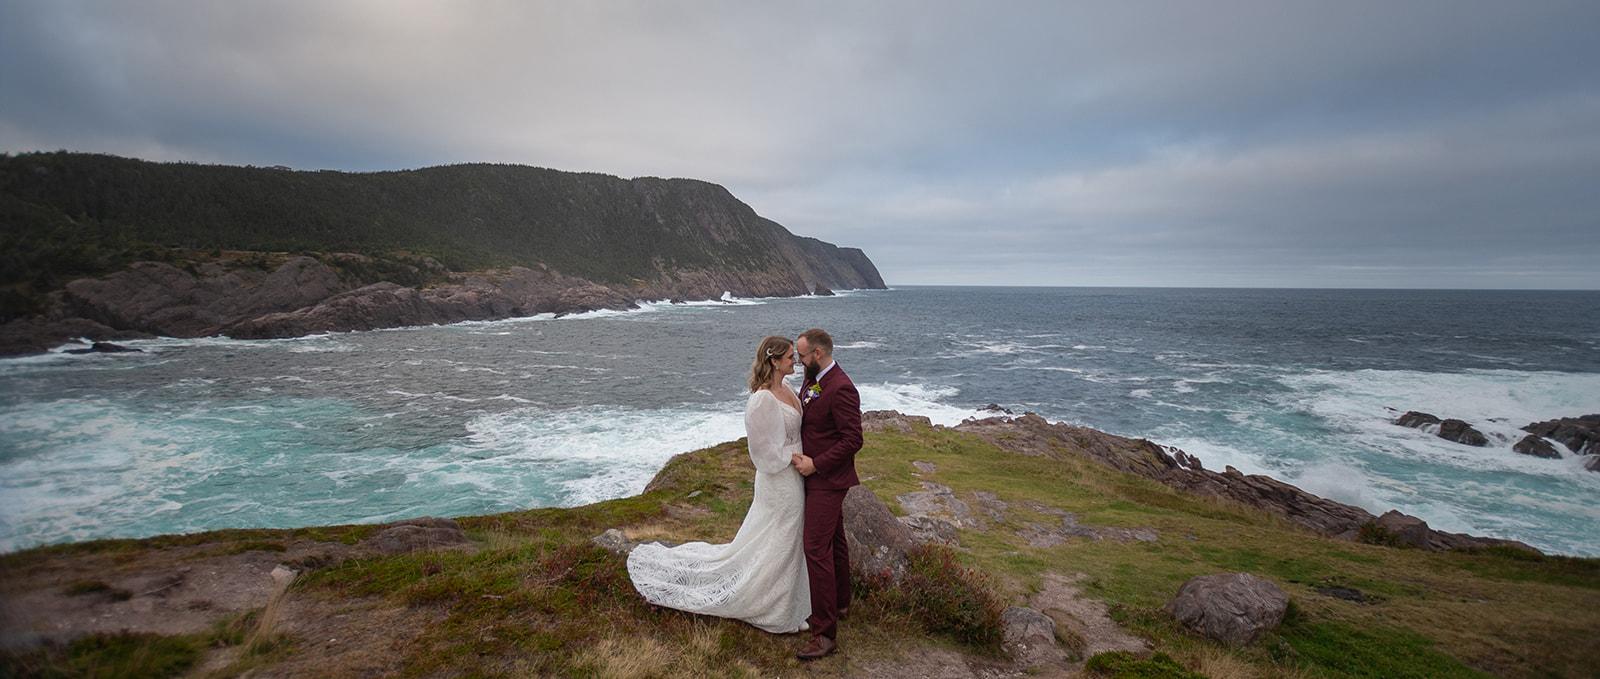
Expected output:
(1244, 143)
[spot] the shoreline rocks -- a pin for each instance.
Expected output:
(104, 348)
(1450, 429)
(1581, 434)
(1537, 447)
(305, 295)
(1416, 419)
(1032, 435)
(1461, 432)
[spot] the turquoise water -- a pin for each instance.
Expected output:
(485, 417)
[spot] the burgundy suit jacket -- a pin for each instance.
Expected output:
(830, 431)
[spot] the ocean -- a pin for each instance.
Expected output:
(482, 417)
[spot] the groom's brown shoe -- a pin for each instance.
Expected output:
(820, 646)
(844, 613)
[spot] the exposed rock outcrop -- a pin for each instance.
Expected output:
(1031, 434)
(1537, 447)
(614, 541)
(889, 420)
(1233, 608)
(416, 534)
(304, 296)
(41, 333)
(1084, 620)
(1580, 435)
(939, 501)
(159, 298)
(929, 530)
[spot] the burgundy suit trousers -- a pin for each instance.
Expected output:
(827, 559)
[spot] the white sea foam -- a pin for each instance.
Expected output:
(916, 399)
(1363, 404)
(1217, 456)
(78, 467)
(859, 345)
(621, 448)
(1356, 455)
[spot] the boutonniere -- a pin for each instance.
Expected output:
(813, 392)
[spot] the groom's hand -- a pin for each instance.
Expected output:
(803, 465)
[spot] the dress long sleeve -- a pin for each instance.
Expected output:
(763, 423)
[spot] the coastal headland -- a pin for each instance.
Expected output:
(107, 248)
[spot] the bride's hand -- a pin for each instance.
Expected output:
(803, 464)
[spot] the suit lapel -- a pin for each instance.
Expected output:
(821, 386)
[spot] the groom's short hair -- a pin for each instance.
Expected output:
(819, 338)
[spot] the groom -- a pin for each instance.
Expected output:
(830, 435)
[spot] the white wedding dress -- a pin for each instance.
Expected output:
(760, 577)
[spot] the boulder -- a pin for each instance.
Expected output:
(1415, 419)
(1580, 435)
(1537, 447)
(1027, 633)
(1232, 608)
(416, 534)
(1407, 530)
(1592, 464)
(1461, 432)
(878, 542)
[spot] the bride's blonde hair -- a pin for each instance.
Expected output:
(774, 347)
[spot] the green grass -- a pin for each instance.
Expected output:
(1125, 665)
(1341, 649)
(112, 656)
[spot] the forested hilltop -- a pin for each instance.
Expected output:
(67, 216)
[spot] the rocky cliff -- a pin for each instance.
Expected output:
(191, 250)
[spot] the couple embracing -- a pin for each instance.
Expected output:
(788, 568)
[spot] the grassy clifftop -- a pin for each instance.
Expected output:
(532, 596)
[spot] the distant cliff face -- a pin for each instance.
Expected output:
(89, 243)
(470, 217)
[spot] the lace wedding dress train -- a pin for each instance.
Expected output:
(760, 577)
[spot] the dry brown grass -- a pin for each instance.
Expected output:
(646, 657)
(265, 636)
(1219, 663)
(635, 658)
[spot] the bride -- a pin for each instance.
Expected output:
(760, 577)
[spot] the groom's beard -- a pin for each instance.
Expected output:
(811, 372)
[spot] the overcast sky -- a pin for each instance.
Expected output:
(1278, 143)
